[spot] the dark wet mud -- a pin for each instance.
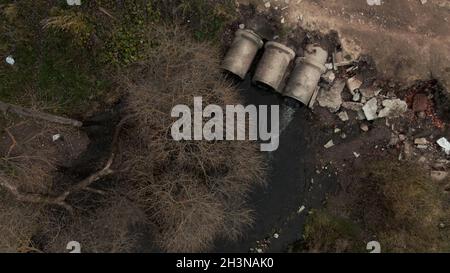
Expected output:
(292, 181)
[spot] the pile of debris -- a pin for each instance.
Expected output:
(344, 94)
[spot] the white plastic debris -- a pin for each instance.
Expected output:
(56, 137)
(74, 2)
(10, 60)
(357, 155)
(443, 142)
(301, 209)
(276, 236)
(374, 2)
(329, 144)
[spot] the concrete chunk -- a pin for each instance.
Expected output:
(393, 108)
(370, 109)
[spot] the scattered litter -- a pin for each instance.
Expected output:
(56, 137)
(370, 109)
(301, 209)
(276, 236)
(443, 142)
(10, 60)
(329, 144)
(337, 130)
(356, 154)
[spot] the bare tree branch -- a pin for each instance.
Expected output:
(84, 184)
(21, 111)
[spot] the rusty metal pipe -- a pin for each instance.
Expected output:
(242, 52)
(273, 65)
(306, 74)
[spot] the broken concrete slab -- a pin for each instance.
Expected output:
(343, 116)
(356, 97)
(370, 109)
(329, 77)
(445, 145)
(354, 106)
(393, 108)
(421, 141)
(369, 92)
(353, 84)
(332, 98)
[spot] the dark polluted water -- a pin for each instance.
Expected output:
(282, 206)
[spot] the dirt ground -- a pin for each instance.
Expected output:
(408, 40)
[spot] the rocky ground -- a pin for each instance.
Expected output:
(384, 96)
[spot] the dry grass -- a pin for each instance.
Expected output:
(29, 158)
(18, 224)
(193, 191)
(110, 228)
(395, 203)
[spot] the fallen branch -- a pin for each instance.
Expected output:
(84, 184)
(21, 111)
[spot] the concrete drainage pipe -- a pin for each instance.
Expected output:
(306, 75)
(239, 57)
(272, 67)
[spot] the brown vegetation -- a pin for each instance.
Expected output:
(395, 203)
(193, 191)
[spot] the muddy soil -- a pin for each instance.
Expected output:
(408, 40)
